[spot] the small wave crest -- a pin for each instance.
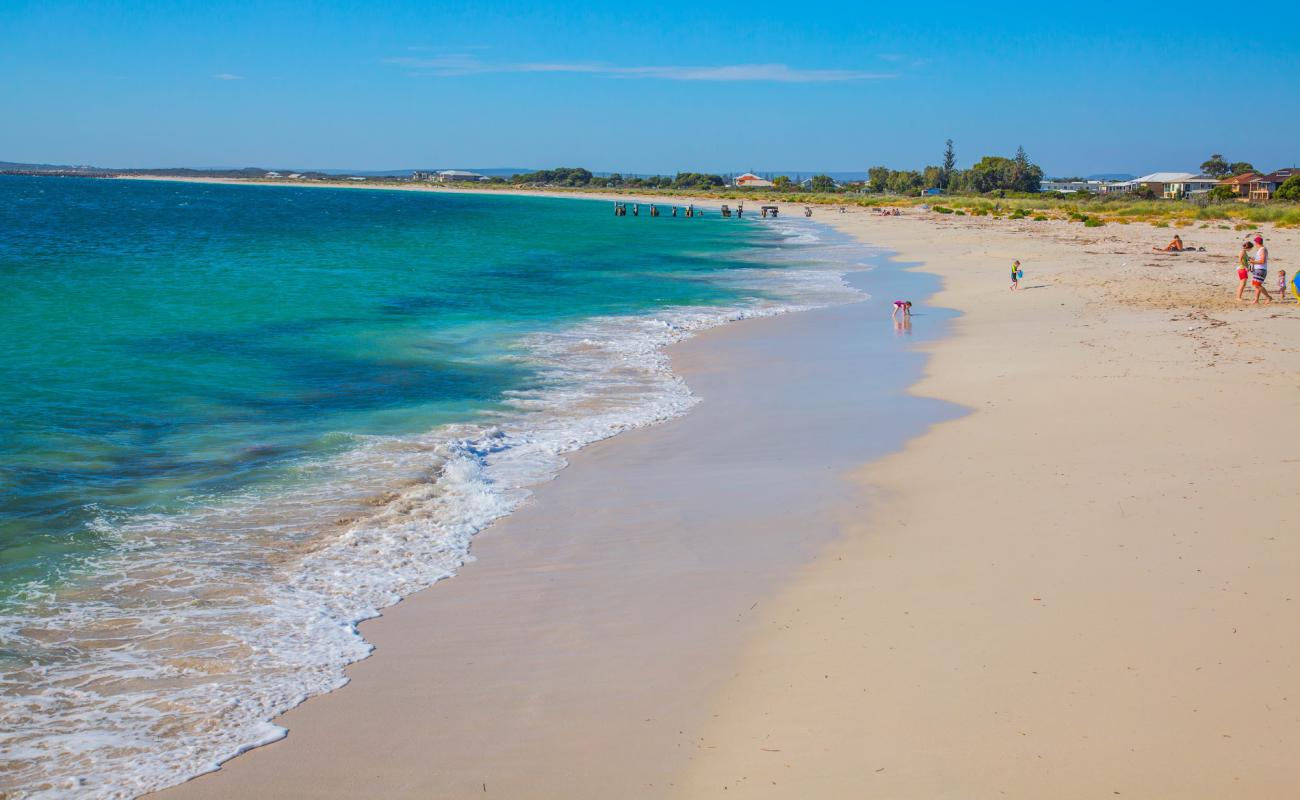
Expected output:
(174, 653)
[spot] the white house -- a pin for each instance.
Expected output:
(1049, 185)
(1188, 187)
(750, 179)
(459, 176)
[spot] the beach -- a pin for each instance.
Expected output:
(1083, 588)
(1077, 584)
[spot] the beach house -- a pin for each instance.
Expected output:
(749, 179)
(1158, 182)
(1264, 187)
(1240, 184)
(459, 176)
(1189, 187)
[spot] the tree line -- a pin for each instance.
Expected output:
(989, 174)
(579, 177)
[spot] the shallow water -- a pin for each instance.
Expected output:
(237, 420)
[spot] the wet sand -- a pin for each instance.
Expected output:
(578, 656)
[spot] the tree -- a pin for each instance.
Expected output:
(949, 164)
(1216, 167)
(1241, 168)
(1221, 194)
(1290, 189)
(695, 180)
(781, 183)
(876, 178)
(904, 181)
(932, 178)
(822, 183)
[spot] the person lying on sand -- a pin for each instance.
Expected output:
(1176, 246)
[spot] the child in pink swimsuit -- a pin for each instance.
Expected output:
(902, 305)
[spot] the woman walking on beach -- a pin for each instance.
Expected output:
(1243, 269)
(1015, 275)
(1260, 272)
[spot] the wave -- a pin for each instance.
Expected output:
(175, 653)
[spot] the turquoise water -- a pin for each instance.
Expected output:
(171, 340)
(236, 420)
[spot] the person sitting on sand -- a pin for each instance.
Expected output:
(1015, 275)
(1243, 268)
(1259, 271)
(904, 306)
(1176, 246)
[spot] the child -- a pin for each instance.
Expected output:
(1243, 268)
(1281, 281)
(904, 306)
(1016, 274)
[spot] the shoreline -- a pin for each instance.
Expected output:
(1083, 588)
(691, 567)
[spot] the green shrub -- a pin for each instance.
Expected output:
(940, 210)
(960, 213)
(1040, 218)
(1290, 189)
(1092, 222)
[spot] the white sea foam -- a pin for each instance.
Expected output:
(174, 654)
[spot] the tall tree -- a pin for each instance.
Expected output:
(876, 178)
(1216, 167)
(949, 164)
(1242, 167)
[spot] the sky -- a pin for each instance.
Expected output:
(648, 87)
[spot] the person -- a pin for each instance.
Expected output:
(1176, 246)
(1281, 282)
(1243, 268)
(1259, 271)
(905, 306)
(1015, 275)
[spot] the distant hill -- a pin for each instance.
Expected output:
(230, 172)
(504, 172)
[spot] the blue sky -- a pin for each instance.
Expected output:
(643, 86)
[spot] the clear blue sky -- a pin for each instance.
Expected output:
(643, 86)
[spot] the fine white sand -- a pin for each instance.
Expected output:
(1085, 588)
(1082, 587)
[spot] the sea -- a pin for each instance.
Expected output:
(235, 421)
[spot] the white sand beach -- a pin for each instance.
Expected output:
(1081, 586)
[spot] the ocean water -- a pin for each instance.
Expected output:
(235, 421)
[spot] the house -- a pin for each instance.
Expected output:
(1049, 185)
(1240, 184)
(1190, 187)
(459, 176)
(272, 175)
(1116, 187)
(1263, 188)
(295, 175)
(420, 175)
(749, 179)
(1158, 182)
